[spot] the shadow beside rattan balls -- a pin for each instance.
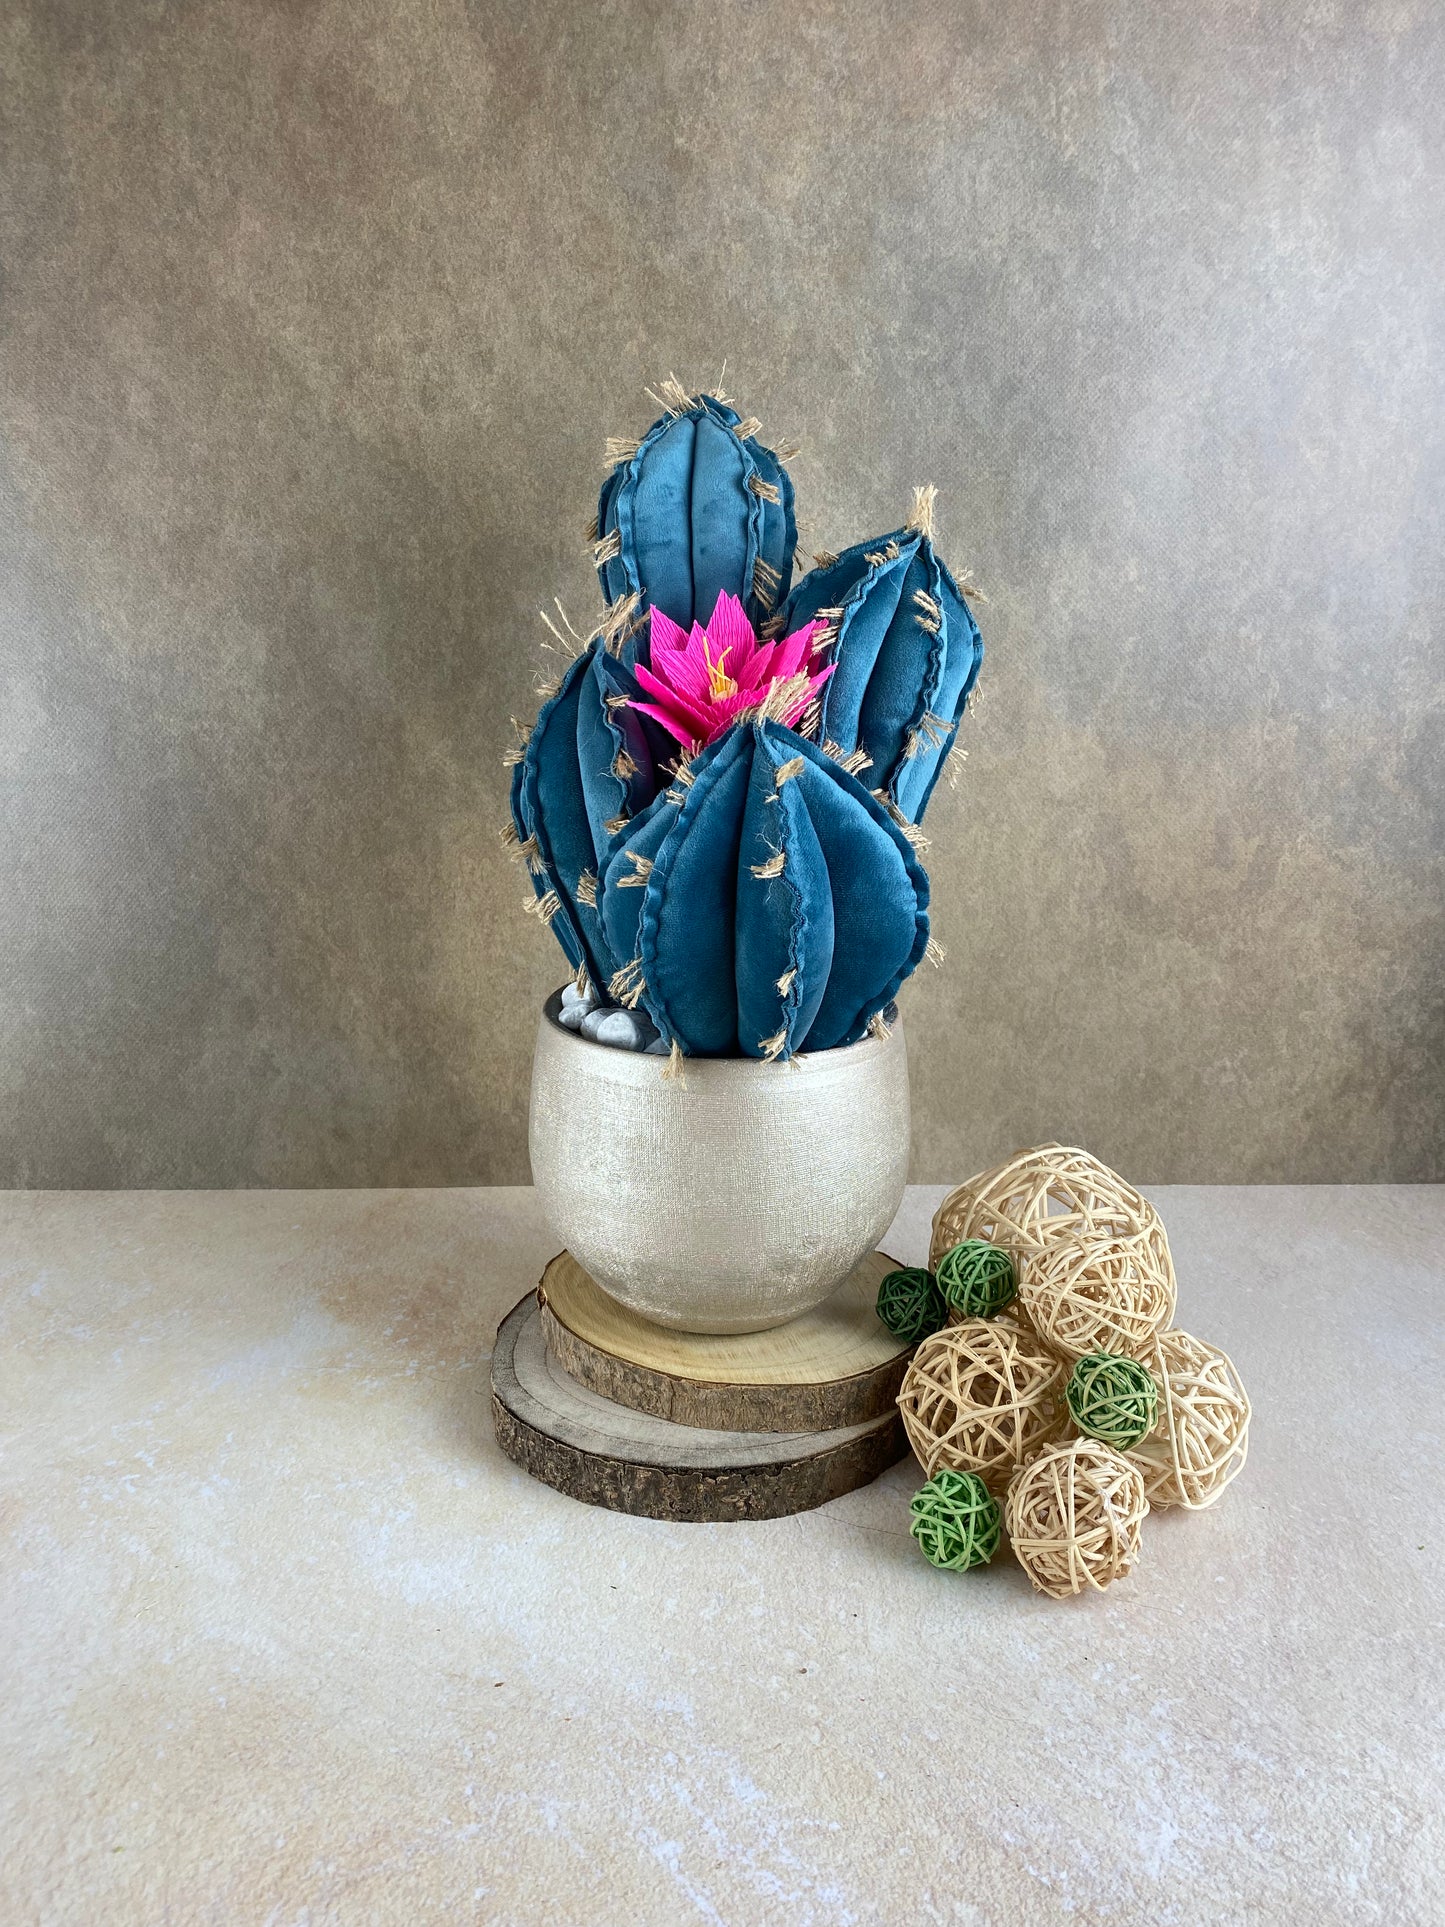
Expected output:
(979, 1396)
(956, 1520)
(1097, 1293)
(1073, 1515)
(1201, 1436)
(1041, 1196)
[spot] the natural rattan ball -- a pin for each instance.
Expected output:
(1038, 1197)
(1201, 1436)
(1112, 1398)
(977, 1278)
(909, 1304)
(1097, 1293)
(956, 1520)
(1073, 1516)
(979, 1396)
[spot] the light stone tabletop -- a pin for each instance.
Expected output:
(286, 1639)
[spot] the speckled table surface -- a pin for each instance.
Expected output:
(286, 1639)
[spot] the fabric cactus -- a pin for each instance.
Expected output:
(765, 902)
(697, 507)
(906, 654)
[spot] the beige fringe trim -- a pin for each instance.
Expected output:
(772, 868)
(586, 891)
(920, 516)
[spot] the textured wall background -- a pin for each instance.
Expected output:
(315, 316)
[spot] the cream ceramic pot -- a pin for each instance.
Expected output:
(729, 1202)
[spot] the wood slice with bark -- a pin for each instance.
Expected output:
(611, 1455)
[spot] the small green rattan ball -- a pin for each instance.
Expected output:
(977, 1279)
(909, 1304)
(1112, 1398)
(956, 1520)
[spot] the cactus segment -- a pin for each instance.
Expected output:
(908, 653)
(696, 510)
(800, 956)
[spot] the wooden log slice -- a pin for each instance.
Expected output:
(834, 1366)
(609, 1455)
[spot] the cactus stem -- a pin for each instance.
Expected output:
(824, 558)
(544, 907)
(586, 891)
(794, 766)
(920, 516)
(627, 984)
(878, 1025)
(589, 534)
(608, 548)
(616, 824)
(623, 766)
(772, 868)
(618, 449)
(745, 430)
(765, 491)
(772, 1047)
(673, 1067)
(785, 982)
(935, 952)
(641, 871)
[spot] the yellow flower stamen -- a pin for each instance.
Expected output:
(718, 683)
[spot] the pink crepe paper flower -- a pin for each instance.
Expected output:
(704, 682)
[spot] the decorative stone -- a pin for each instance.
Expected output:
(622, 1029)
(575, 1005)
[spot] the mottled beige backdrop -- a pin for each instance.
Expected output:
(314, 319)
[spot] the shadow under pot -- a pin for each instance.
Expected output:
(731, 1200)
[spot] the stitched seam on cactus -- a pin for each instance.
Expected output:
(839, 616)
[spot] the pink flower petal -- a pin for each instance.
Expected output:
(664, 633)
(675, 726)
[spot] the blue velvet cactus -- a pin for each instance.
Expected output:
(697, 507)
(907, 651)
(691, 802)
(765, 902)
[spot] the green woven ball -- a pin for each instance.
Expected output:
(1112, 1398)
(977, 1279)
(909, 1304)
(956, 1520)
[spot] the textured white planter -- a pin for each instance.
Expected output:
(728, 1205)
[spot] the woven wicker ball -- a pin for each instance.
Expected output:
(1201, 1436)
(1073, 1515)
(956, 1520)
(977, 1278)
(1112, 1398)
(1037, 1197)
(909, 1304)
(1098, 1292)
(978, 1397)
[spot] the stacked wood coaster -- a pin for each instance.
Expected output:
(619, 1412)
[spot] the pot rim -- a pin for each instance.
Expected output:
(838, 1056)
